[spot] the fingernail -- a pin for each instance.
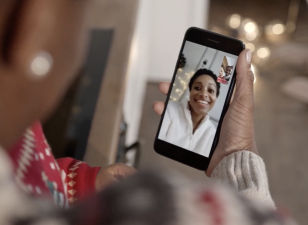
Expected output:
(248, 56)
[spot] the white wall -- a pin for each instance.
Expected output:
(160, 28)
(137, 71)
(193, 54)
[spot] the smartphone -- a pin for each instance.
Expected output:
(198, 98)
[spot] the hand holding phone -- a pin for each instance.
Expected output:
(237, 132)
(237, 128)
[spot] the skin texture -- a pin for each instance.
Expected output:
(237, 132)
(59, 27)
(221, 72)
(203, 89)
(113, 173)
(27, 28)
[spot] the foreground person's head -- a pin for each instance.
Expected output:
(42, 45)
(204, 90)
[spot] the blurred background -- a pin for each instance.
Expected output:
(107, 114)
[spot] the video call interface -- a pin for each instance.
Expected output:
(197, 98)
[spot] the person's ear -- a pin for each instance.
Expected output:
(28, 32)
(38, 30)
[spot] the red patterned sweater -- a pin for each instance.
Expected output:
(37, 171)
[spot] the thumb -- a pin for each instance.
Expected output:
(244, 80)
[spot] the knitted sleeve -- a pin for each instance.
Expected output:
(80, 178)
(245, 171)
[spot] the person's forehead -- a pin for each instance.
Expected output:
(205, 79)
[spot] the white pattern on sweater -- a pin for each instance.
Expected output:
(243, 170)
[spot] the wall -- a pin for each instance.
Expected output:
(137, 71)
(160, 29)
(193, 54)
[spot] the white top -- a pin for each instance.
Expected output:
(177, 129)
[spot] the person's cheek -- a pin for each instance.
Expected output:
(213, 100)
(191, 95)
(195, 95)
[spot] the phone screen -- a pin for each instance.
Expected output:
(197, 98)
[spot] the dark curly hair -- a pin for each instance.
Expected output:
(206, 72)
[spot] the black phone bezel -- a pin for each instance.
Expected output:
(221, 43)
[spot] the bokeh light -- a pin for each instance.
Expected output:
(263, 52)
(235, 21)
(278, 29)
(275, 28)
(250, 27)
(250, 46)
(251, 36)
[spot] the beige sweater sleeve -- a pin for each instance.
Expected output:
(245, 171)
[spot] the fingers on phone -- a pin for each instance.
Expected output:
(164, 87)
(159, 107)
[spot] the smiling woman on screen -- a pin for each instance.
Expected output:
(187, 124)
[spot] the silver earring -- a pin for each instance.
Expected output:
(41, 64)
